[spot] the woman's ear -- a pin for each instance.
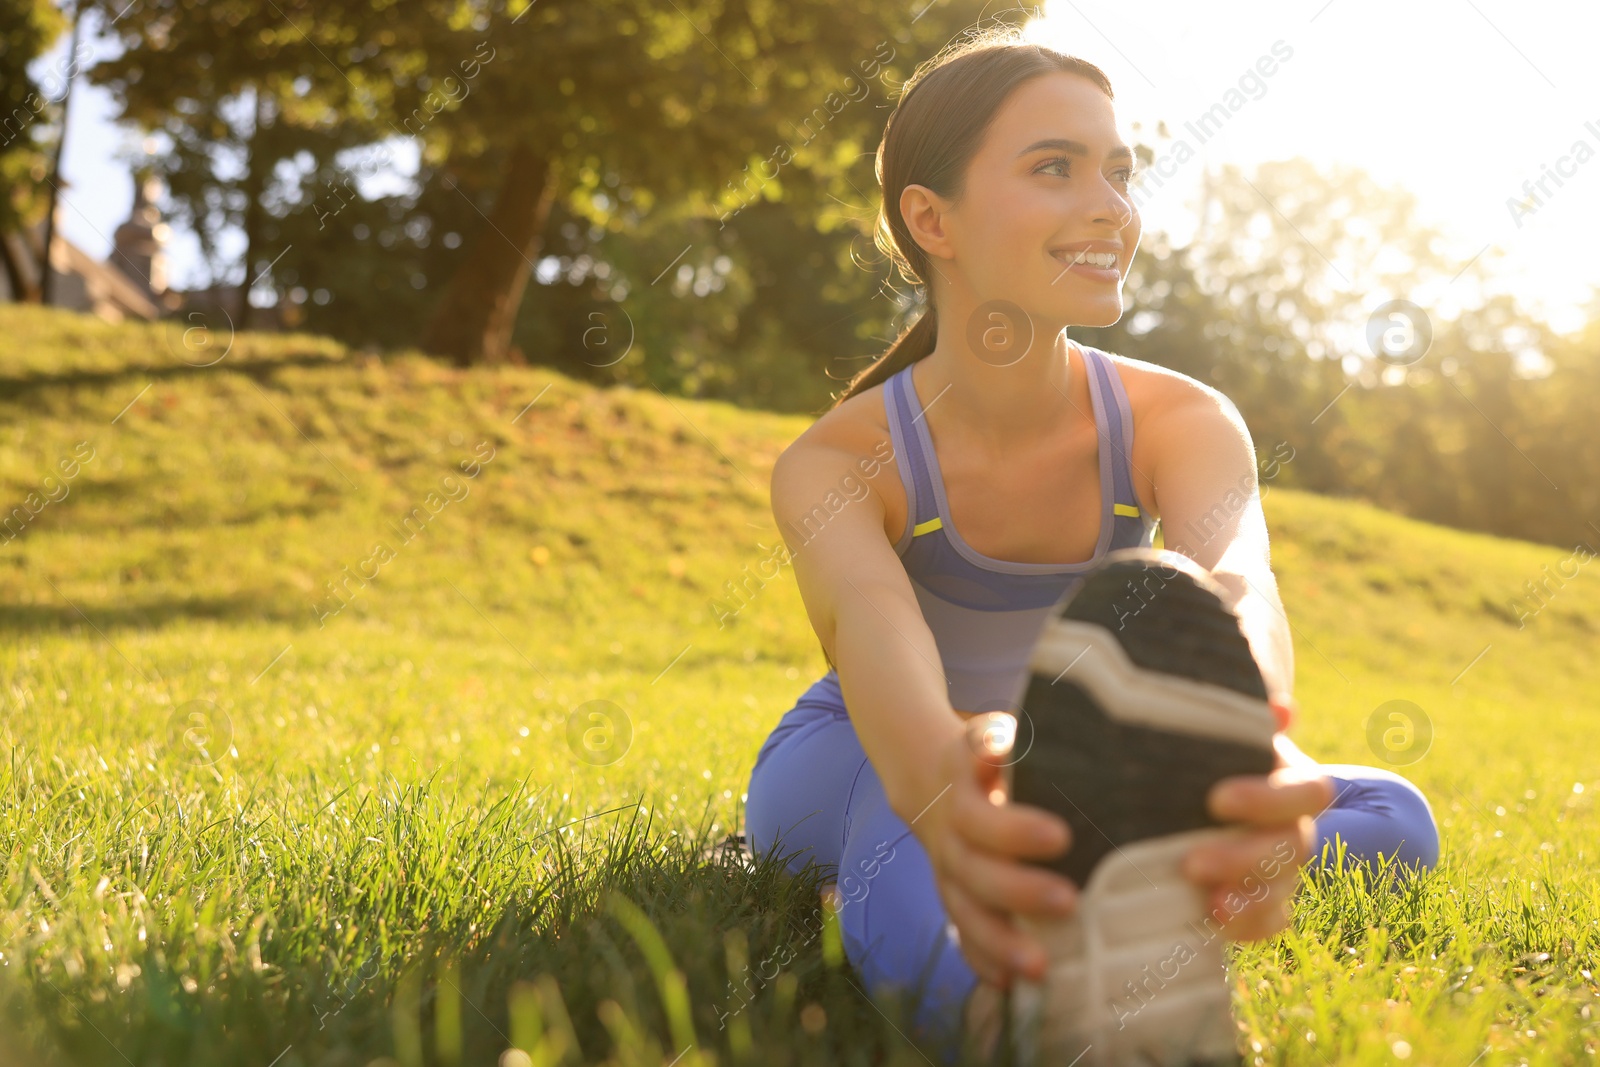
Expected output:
(924, 213)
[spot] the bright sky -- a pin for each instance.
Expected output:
(1461, 101)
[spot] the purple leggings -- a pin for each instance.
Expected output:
(814, 797)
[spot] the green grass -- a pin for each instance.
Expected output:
(232, 833)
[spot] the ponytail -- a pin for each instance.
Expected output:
(915, 342)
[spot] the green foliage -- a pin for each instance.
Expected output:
(711, 218)
(27, 30)
(237, 92)
(1270, 305)
(652, 122)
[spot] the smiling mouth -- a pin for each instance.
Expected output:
(1098, 260)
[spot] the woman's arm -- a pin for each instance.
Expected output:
(1203, 467)
(1210, 509)
(867, 618)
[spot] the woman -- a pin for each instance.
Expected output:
(1015, 469)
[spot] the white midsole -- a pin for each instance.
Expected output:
(1136, 975)
(1095, 660)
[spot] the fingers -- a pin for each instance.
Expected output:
(1263, 854)
(995, 948)
(1288, 753)
(1273, 799)
(979, 841)
(984, 856)
(990, 738)
(1009, 829)
(1256, 919)
(986, 821)
(992, 735)
(1283, 750)
(1251, 878)
(1002, 884)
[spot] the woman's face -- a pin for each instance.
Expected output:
(1049, 182)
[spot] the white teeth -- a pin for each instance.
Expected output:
(1103, 260)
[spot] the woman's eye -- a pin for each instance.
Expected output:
(1125, 175)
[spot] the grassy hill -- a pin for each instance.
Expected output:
(298, 672)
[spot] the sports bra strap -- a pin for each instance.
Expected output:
(1114, 432)
(922, 507)
(1117, 434)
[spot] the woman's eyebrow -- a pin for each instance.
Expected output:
(1076, 148)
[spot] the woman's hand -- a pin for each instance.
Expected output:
(1250, 881)
(975, 838)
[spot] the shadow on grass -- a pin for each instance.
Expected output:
(18, 387)
(85, 620)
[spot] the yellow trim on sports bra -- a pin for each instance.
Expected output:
(936, 523)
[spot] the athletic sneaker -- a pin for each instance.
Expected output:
(1142, 693)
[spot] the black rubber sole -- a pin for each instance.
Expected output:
(1116, 781)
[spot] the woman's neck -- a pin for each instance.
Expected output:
(1007, 402)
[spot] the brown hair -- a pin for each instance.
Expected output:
(931, 137)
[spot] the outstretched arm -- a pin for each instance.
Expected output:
(866, 615)
(1210, 508)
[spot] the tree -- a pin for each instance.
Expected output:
(27, 30)
(700, 107)
(244, 99)
(1271, 305)
(617, 108)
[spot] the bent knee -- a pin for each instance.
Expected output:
(1396, 814)
(1420, 842)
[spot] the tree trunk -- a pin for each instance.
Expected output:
(23, 291)
(254, 185)
(475, 317)
(46, 282)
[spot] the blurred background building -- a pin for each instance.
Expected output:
(129, 284)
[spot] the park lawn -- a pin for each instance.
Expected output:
(276, 797)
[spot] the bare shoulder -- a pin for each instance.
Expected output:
(1153, 389)
(855, 426)
(1173, 414)
(841, 457)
